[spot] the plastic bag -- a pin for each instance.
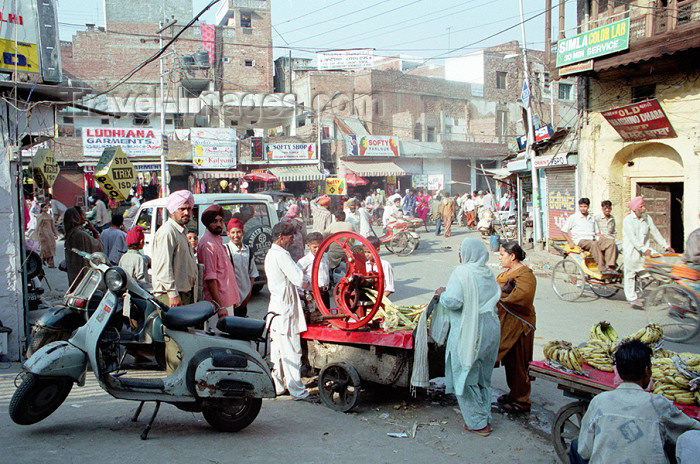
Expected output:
(439, 325)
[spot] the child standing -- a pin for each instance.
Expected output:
(134, 263)
(386, 266)
(313, 242)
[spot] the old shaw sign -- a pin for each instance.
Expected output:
(640, 121)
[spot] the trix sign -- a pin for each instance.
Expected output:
(115, 173)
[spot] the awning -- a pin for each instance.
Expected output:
(498, 173)
(202, 174)
(374, 168)
(297, 173)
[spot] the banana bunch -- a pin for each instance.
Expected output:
(675, 394)
(663, 353)
(395, 318)
(692, 362)
(650, 335)
(603, 331)
(663, 370)
(565, 354)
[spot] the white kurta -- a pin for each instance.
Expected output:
(365, 227)
(635, 242)
(283, 278)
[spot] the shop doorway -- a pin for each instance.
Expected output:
(664, 202)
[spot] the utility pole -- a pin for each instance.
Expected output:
(163, 166)
(536, 223)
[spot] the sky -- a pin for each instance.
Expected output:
(431, 29)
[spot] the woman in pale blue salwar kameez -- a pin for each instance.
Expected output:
(469, 302)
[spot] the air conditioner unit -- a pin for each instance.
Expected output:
(226, 59)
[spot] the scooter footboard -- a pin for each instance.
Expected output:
(58, 359)
(228, 373)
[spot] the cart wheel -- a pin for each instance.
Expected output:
(604, 290)
(676, 310)
(566, 427)
(402, 244)
(568, 281)
(339, 386)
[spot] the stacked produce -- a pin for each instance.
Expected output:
(562, 352)
(395, 318)
(650, 335)
(670, 383)
(598, 350)
(691, 363)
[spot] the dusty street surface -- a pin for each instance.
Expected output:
(91, 425)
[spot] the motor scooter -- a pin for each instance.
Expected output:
(143, 338)
(223, 376)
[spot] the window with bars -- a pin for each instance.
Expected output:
(501, 79)
(643, 92)
(565, 91)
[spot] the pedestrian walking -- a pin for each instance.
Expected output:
(220, 285)
(448, 210)
(365, 215)
(46, 230)
(516, 313)
(283, 279)
(99, 212)
(469, 301)
(351, 214)
(292, 217)
(322, 217)
(174, 264)
(114, 239)
(408, 203)
(436, 212)
(637, 227)
(470, 212)
(244, 266)
(422, 205)
(79, 238)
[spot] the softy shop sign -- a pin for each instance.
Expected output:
(601, 41)
(369, 145)
(134, 142)
(291, 153)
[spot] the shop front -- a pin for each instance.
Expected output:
(383, 175)
(215, 181)
(298, 180)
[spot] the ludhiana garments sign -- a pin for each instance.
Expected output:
(134, 142)
(641, 121)
(371, 145)
(601, 41)
(213, 148)
(291, 153)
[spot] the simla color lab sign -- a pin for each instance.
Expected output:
(601, 41)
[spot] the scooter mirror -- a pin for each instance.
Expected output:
(98, 258)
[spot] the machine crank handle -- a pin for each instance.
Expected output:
(334, 316)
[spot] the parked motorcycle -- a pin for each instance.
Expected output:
(35, 274)
(224, 376)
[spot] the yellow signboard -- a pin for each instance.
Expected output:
(115, 173)
(335, 186)
(25, 56)
(44, 168)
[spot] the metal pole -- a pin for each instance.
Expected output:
(163, 166)
(536, 223)
(319, 133)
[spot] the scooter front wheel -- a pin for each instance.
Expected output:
(232, 416)
(38, 397)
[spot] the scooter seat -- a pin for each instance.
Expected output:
(241, 328)
(182, 317)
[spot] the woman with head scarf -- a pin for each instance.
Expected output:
(469, 302)
(47, 234)
(292, 217)
(79, 238)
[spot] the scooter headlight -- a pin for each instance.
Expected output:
(116, 280)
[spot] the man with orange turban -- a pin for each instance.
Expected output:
(322, 216)
(636, 228)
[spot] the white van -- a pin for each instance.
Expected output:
(257, 212)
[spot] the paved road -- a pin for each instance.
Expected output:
(92, 425)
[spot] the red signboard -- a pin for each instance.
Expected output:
(640, 121)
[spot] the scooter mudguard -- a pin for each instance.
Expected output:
(62, 318)
(229, 373)
(58, 359)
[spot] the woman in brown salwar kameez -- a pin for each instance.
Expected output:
(517, 316)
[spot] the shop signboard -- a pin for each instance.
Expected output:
(257, 149)
(44, 168)
(291, 153)
(134, 142)
(541, 133)
(115, 173)
(213, 148)
(640, 121)
(345, 59)
(371, 145)
(420, 181)
(436, 182)
(19, 37)
(335, 186)
(550, 161)
(601, 41)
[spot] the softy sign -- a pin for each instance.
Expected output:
(291, 153)
(601, 41)
(371, 145)
(335, 186)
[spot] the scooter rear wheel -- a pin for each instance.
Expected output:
(232, 416)
(38, 397)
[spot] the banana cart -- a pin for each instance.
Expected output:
(581, 389)
(344, 344)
